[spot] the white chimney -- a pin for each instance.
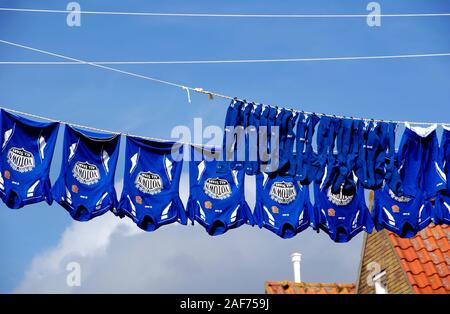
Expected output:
(296, 258)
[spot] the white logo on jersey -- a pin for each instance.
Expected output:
(86, 173)
(148, 182)
(217, 188)
(401, 199)
(283, 192)
(20, 160)
(339, 199)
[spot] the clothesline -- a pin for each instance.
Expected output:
(196, 89)
(85, 127)
(277, 16)
(404, 56)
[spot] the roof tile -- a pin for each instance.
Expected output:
(425, 259)
(286, 287)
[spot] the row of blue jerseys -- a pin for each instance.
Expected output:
(344, 148)
(150, 196)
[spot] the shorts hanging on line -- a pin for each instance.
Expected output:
(85, 186)
(419, 164)
(27, 151)
(150, 195)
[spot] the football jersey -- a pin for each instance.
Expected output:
(339, 215)
(402, 215)
(85, 186)
(419, 163)
(282, 204)
(27, 151)
(216, 199)
(150, 195)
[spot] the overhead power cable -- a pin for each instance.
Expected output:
(187, 88)
(403, 56)
(223, 15)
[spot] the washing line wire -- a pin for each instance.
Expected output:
(402, 56)
(80, 126)
(275, 16)
(201, 90)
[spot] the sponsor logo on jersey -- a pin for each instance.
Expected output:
(7, 174)
(395, 208)
(283, 192)
(138, 199)
(208, 205)
(401, 199)
(331, 212)
(149, 183)
(339, 199)
(275, 209)
(20, 160)
(86, 173)
(217, 188)
(74, 188)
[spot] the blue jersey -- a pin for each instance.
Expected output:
(402, 215)
(216, 199)
(341, 216)
(85, 186)
(27, 151)
(150, 195)
(282, 204)
(419, 164)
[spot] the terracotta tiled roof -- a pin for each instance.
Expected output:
(425, 259)
(288, 287)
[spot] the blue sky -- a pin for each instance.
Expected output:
(409, 89)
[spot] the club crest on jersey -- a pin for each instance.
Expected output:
(217, 188)
(20, 160)
(400, 199)
(283, 192)
(339, 199)
(149, 183)
(86, 173)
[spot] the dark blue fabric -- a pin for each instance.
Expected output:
(27, 151)
(150, 195)
(85, 186)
